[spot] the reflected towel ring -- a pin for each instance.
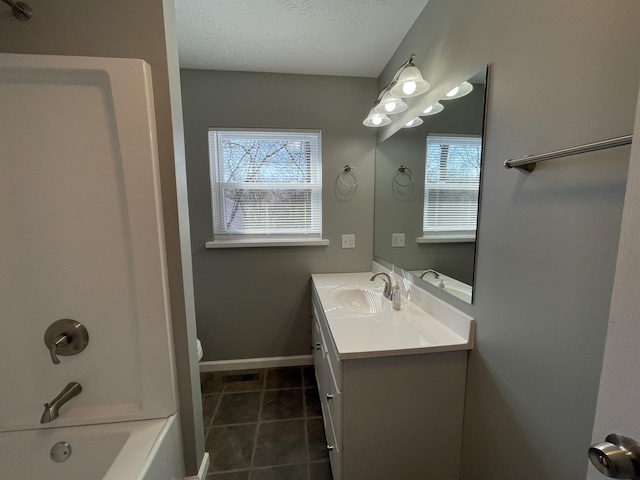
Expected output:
(402, 170)
(353, 172)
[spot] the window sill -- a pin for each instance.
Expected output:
(298, 242)
(447, 239)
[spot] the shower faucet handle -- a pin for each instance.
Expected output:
(65, 337)
(61, 341)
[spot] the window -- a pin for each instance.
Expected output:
(266, 187)
(451, 188)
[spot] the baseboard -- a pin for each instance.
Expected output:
(202, 471)
(247, 363)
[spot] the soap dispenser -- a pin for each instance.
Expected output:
(397, 297)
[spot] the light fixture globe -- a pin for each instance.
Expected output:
(410, 83)
(413, 123)
(390, 104)
(460, 91)
(375, 119)
(432, 109)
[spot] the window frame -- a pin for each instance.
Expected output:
(228, 238)
(450, 235)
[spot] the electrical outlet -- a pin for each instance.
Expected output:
(397, 239)
(349, 240)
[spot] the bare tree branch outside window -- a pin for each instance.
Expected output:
(267, 184)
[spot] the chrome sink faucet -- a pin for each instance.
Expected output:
(387, 283)
(51, 409)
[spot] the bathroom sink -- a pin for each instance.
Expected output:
(459, 291)
(449, 285)
(362, 323)
(359, 299)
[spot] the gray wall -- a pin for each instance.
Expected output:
(400, 209)
(562, 74)
(255, 302)
(125, 29)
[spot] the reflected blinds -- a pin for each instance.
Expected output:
(451, 186)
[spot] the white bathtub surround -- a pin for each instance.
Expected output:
(83, 239)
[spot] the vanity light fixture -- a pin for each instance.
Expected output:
(375, 119)
(407, 82)
(460, 91)
(390, 104)
(413, 123)
(432, 109)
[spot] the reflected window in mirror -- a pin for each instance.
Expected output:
(456, 173)
(452, 183)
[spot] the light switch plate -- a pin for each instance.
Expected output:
(349, 240)
(397, 239)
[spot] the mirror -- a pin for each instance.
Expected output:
(454, 162)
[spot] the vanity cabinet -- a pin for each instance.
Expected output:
(389, 415)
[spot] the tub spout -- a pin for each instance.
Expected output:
(51, 409)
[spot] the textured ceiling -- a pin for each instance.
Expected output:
(319, 37)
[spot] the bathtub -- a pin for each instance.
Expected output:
(137, 450)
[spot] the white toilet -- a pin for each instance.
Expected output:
(199, 349)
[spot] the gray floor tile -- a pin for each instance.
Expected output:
(282, 404)
(312, 403)
(231, 406)
(320, 471)
(241, 407)
(280, 443)
(287, 377)
(309, 376)
(244, 386)
(210, 382)
(230, 447)
(317, 441)
(244, 475)
(287, 472)
(209, 403)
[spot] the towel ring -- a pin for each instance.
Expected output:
(402, 171)
(353, 172)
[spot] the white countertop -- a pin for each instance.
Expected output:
(384, 333)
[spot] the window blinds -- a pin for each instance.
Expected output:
(266, 184)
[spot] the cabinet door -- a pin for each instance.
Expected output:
(333, 447)
(333, 400)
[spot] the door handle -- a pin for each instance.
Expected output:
(617, 457)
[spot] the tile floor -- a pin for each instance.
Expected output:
(264, 425)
